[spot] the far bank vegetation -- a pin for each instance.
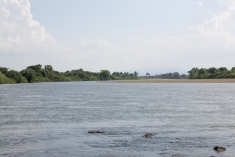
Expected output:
(37, 73)
(211, 73)
(174, 75)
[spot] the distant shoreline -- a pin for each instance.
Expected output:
(174, 81)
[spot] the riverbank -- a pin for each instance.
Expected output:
(175, 81)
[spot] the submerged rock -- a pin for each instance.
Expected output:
(148, 135)
(95, 132)
(219, 149)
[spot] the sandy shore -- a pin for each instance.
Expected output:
(175, 81)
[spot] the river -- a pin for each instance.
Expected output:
(53, 119)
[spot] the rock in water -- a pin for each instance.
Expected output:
(148, 135)
(219, 149)
(95, 132)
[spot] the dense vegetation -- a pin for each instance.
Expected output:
(37, 73)
(4, 79)
(174, 75)
(211, 73)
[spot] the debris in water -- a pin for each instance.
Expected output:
(148, 135)
(219, 149)
(95, 132)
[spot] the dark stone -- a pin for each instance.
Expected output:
(95, 132)
(219, 149)
(148, 135)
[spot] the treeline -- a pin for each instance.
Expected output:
(174, 75)
(37, 73)
(211, 73)
(12, 76)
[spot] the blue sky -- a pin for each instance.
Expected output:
(115, 20)
(117, 35)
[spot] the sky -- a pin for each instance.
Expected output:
(117, 35)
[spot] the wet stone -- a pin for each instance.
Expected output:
(148, 135)
(95, 132)
(219, 149)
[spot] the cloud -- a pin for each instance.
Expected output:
(199, 3)
(210, 43)
(18, 29)
(22, 36)
(213, 33)
(23, 42)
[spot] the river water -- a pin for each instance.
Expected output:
(53, 119)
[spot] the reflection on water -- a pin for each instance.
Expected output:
(53, 119)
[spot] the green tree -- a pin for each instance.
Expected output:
(233, 69)
(48, 67)
(29, 74)
(176, 75)
(16, 76)
(104, 75)
(203, 74)
(136, 74)
(36, 68)
(184, 76)
(226, 74)
(5, 80)
(213, 72)
(3, 70)
(45, 73)
(193, 73)
(223, 69)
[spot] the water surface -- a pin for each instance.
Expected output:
(52, 119)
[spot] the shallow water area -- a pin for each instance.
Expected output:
(53, 119)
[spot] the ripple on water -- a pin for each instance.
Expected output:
(53, 119)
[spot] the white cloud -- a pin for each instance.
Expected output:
(23, 38)
(213, 33)
(20, 32)
(210, 41)
(199, 3)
